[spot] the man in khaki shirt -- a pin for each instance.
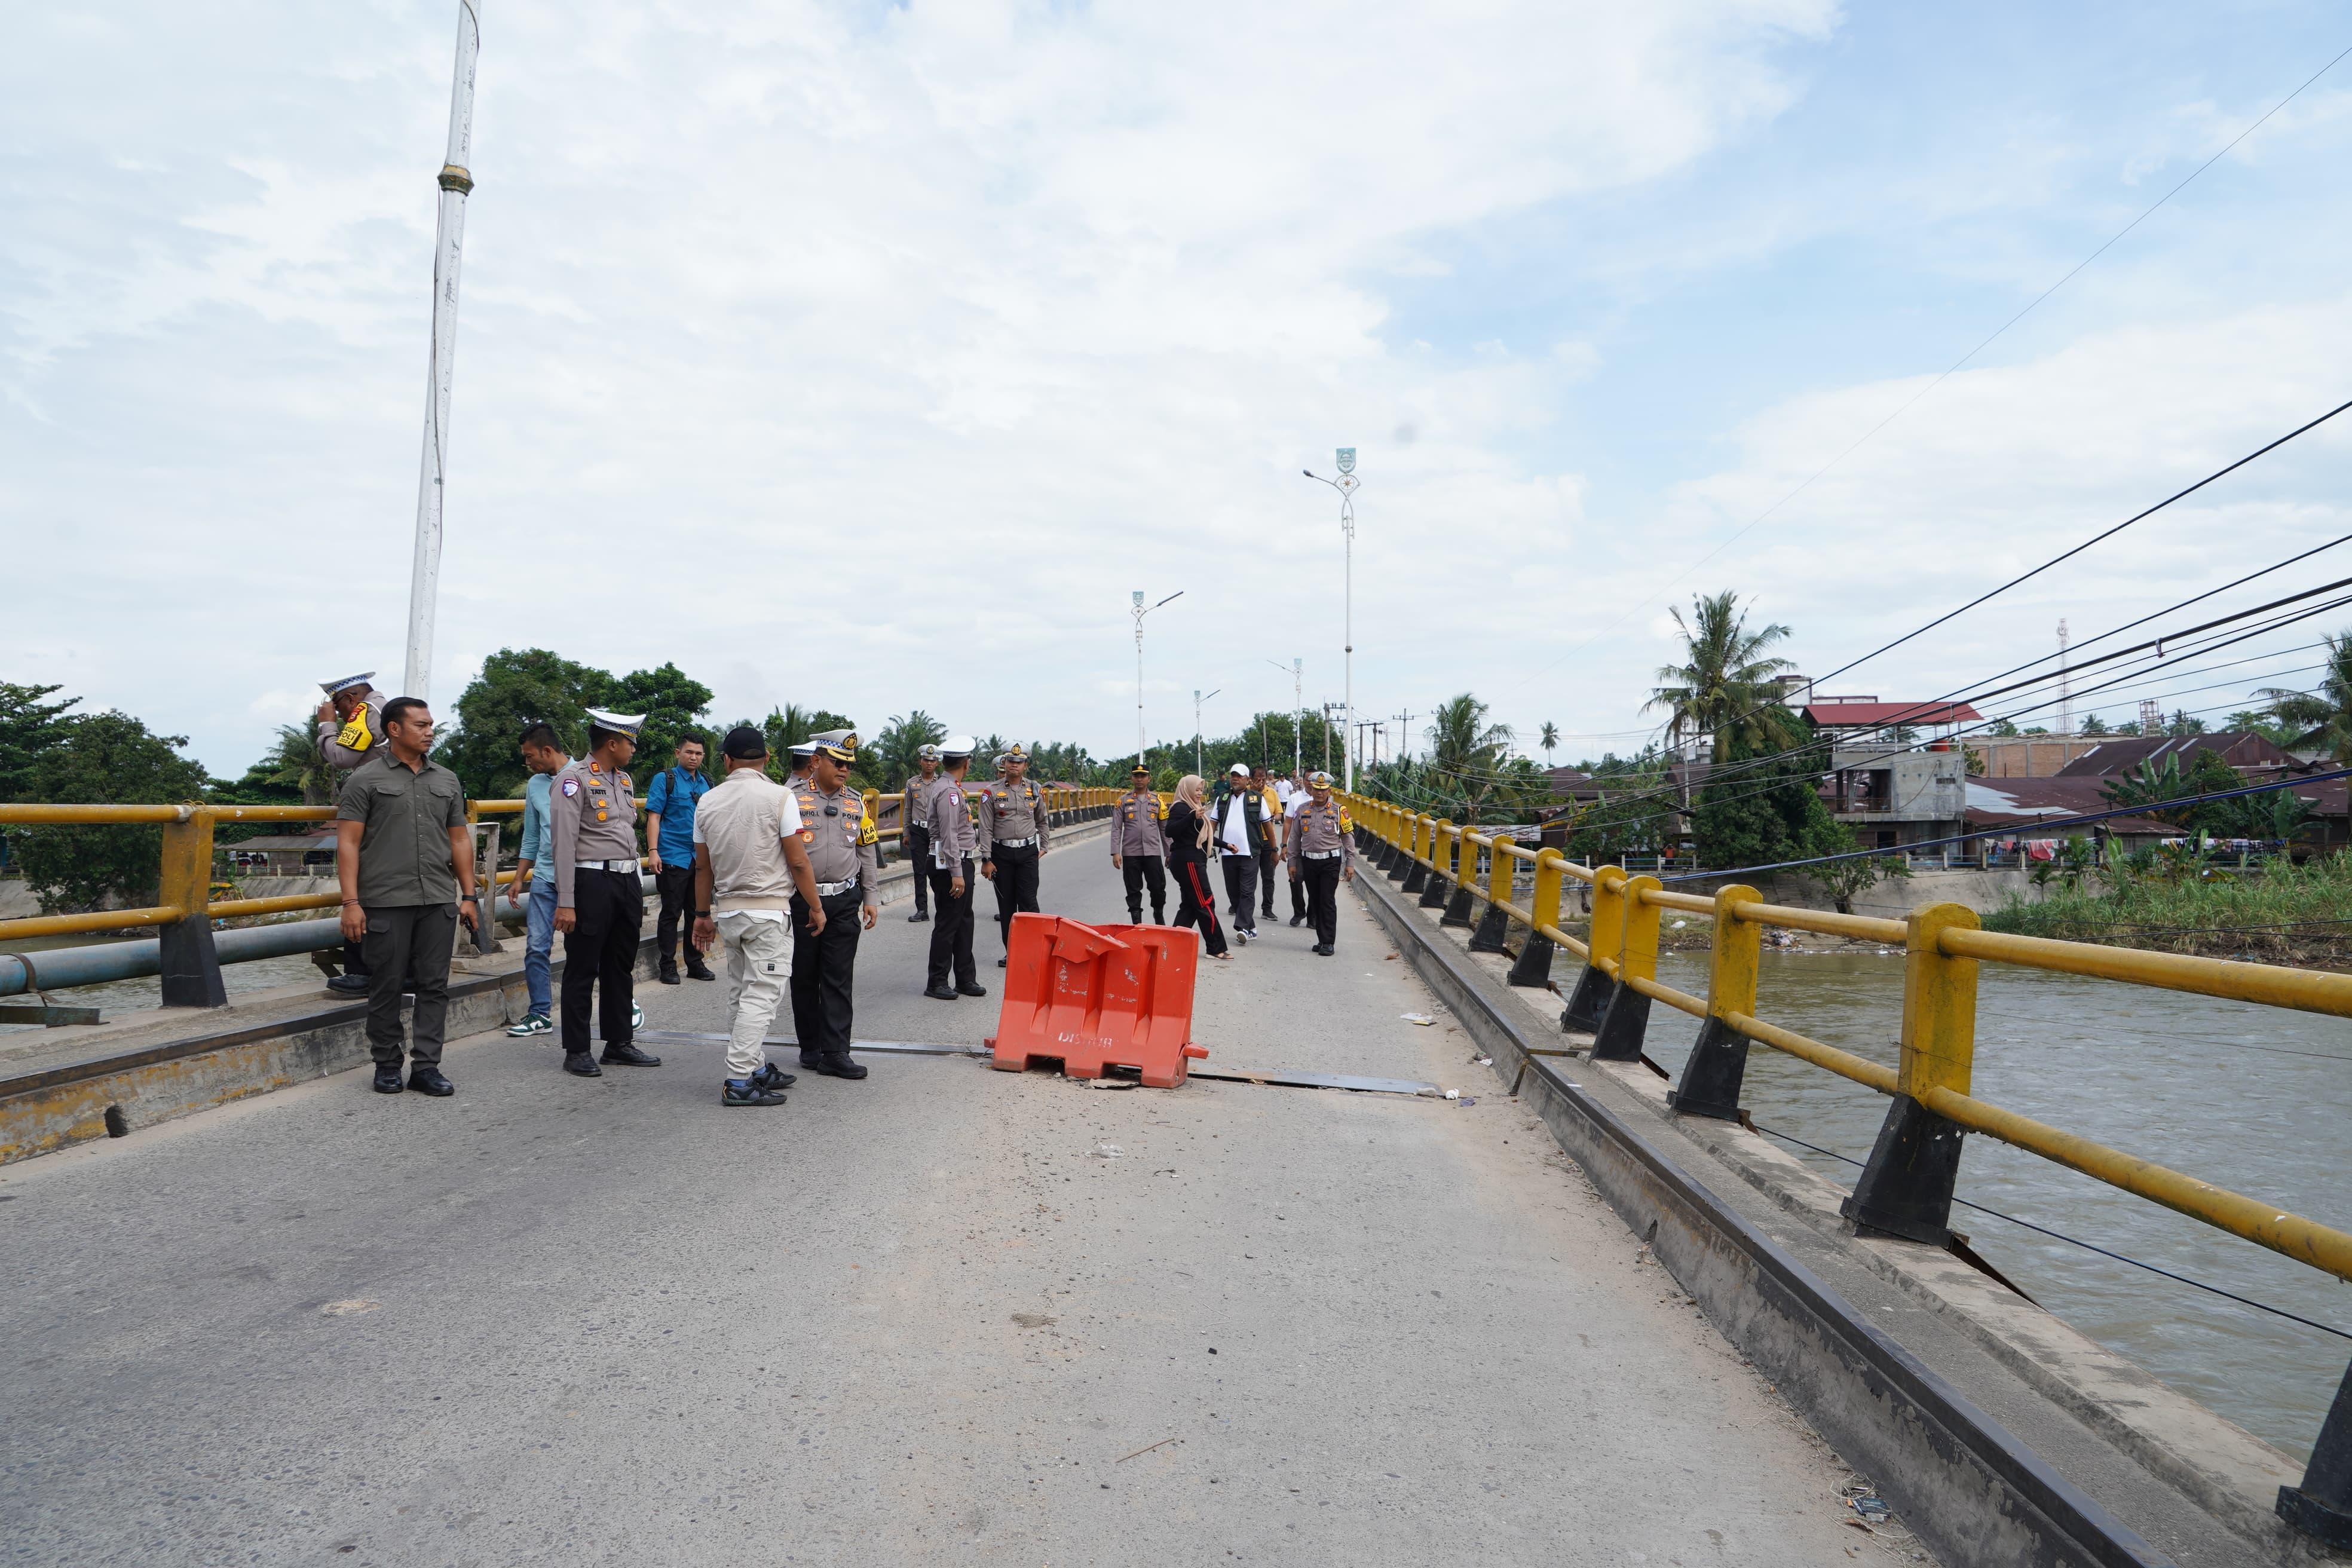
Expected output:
(846, 860)
(600, 899)
(914, 829)
(749, 861)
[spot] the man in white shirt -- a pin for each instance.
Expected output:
(1241, 832)
(748, 858)
(1297, 795)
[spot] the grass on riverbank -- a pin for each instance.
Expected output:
(2289, 914)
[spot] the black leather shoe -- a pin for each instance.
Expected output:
(840, 1066)
(1135, 917)
(1321, 949)
(936, 992)
(753, 1092)
(1000, 964)
(627, 1055)
(697, 970)
(773, 1077)
(973, 990)
(918, 917)
(387, 1077)
(428, 1080)
(670, 974)
(1298, 920)
(349, 985)
(583, 1064)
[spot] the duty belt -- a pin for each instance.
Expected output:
(606, 866)
(827, 890)
(1320, 854)
(1016, 843)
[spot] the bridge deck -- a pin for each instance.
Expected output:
(913, 1319)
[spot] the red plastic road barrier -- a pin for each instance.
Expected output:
(1096, 996)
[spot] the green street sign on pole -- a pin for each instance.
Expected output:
(1346, 459)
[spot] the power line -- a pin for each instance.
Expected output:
(1952, 369)
(2078, 1241)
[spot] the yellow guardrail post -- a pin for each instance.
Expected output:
(1433, 887)
(191, 968)
(1907, 1188)
(1534, 966)
(1622, 1026)
(1495, 925)
(1712, 1078)
(1595, 986)
(1424, 851)
(1464, 893)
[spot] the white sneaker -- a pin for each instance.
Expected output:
(531, 1024)
(637, 1017)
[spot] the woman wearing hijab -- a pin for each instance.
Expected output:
(1189, 826)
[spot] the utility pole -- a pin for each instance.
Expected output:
(1326, 737)
(448, 247)
(1139, 612)
(1404, 733)
(1346, 484)
(2065, 692)
(1197, 700)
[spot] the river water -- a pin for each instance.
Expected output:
(2252, 1099)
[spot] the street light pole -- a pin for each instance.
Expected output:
(1346, 484)
(1141, 611)
(448, 244)
(1197, 700)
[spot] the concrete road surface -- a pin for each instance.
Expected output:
(945, 1315)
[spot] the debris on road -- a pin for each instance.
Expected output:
(1106, 1151)
(1145, 1449)
(1423, 1019)
(1035, 1319)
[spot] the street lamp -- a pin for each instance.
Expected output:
(1197, 700)
(1141, 611)
(1346, 484)
(1297, 668)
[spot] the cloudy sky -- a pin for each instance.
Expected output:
(871, 356)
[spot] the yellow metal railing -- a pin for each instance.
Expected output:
(184, 888)
(1943, 951)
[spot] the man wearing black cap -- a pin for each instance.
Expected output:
(600, 901)
(954, 837)
(1137, 851)
(841, 840)
(750, 861)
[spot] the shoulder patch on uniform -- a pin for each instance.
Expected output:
(570, 786)
(354, 736)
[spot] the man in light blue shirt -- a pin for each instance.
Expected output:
(543, 753)
(669, 842)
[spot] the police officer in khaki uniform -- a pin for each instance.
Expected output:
(948, 810)
(845, 857)
(1013, 837)
(1138, 849)
(915, 833)
(1319, 840)
(351, 731)
(599, 901)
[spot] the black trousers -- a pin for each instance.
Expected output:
(918, 848)
(824, 967)
(1321, 879)
(1299, 905)
(1241, 886)
(951, 929)
(408, 949)
(1195, 905)
(1139, 871)
(676, 885)
(1266, 878)
(600, 954)
(355, 959)
(1016, 888)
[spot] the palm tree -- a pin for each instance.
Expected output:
(1466, 750)
(2321, 717)
(294, 762)
(1725, 690)
(1548, 740)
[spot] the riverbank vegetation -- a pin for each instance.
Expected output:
(2283, 913)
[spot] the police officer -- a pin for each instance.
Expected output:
(1137, 850)
(600, 902)
(915, 835)
(804, 760)
(954, 837)
(351, 731)
(1320, 841)
(1013, 837)
(841, 840)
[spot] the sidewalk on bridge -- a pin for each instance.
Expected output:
(945, 1314)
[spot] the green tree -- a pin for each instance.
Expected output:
(1467, 754)
(2183, 724)
(2091, 725)
(516, 687)
(103, 759)
(1548, 740)
(894, 749)
(1725, 688)
(1769, 811)
(673, 703)
(28, 727)
(2001, 728)
(291, 773)
(1844, 880)
(2320, 717)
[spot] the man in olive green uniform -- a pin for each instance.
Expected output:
(914, 832)
(1013, 837)
(841, 840)
(1319, 840)
(351, 731)
(600, 899)
(1139, 851)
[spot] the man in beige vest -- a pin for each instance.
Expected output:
(749, 860)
